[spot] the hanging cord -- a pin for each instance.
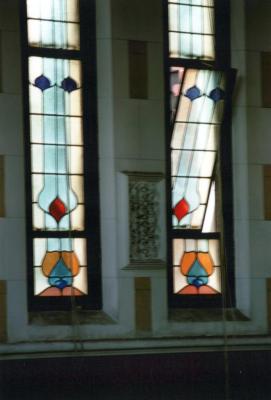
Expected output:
(75, 321)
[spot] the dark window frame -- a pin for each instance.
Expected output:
(222, 62)
(87, 55)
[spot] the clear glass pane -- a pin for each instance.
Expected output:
(77, 218)
(64, 10)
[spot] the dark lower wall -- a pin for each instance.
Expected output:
(210, 375)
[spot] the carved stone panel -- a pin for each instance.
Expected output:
(144, 218)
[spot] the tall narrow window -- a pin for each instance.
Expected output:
(61, 153)
(199, 79)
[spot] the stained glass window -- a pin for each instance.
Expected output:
(191, 29)
(60, 232)
(198, 96)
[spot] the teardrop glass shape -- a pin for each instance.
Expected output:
(57, 209)
(60, 275)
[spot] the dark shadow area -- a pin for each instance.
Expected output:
(191, 376)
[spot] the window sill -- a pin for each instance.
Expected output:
(77, 317)
(206, 315)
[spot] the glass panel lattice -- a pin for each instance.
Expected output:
(191, 29)
(197, 117)
(56, 143)
(53, 23)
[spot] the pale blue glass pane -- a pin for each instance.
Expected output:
(198, 45)
(50, 129)
(185, 45)
(65, 192)
(190, 136)
(207, 111)
(64, 223)
(60, 10)
(184, 163)
(62, 160)
(50, 159)
(197, 109)
(196, 20)
(49, 69)
(60, 102)
(184, 18)
(54, 130)
(50, 222)
(61, 130)
(49, 192)
(53, 102)
(202, 136)
(47, 31)
(196, 163)
(66, 244)
(53, 244)
(60, 35)
(192, 194)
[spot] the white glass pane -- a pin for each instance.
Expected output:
(38, 217)
(40, 281)
(196, 20)
(197, 217)
(39, 247)
(37, 184)
(173, 17)
(73, 10)
(33, 8)
(173, 44)
(73, 34)
(178, 135)
(209, 220)
(215, 280)
(74, 103)
(178, 249)
(37, 158)
(80, 281)
(34, 32)
(77, 218)
(207, 165)
(75, 131)
(76, 159)
(208, 17)
(214, 249)
(79, 246)
(179, 280)
(77, 184)
(203, 188)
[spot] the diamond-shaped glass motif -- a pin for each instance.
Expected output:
(57, 209)
(42, 82)
(193, 93)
